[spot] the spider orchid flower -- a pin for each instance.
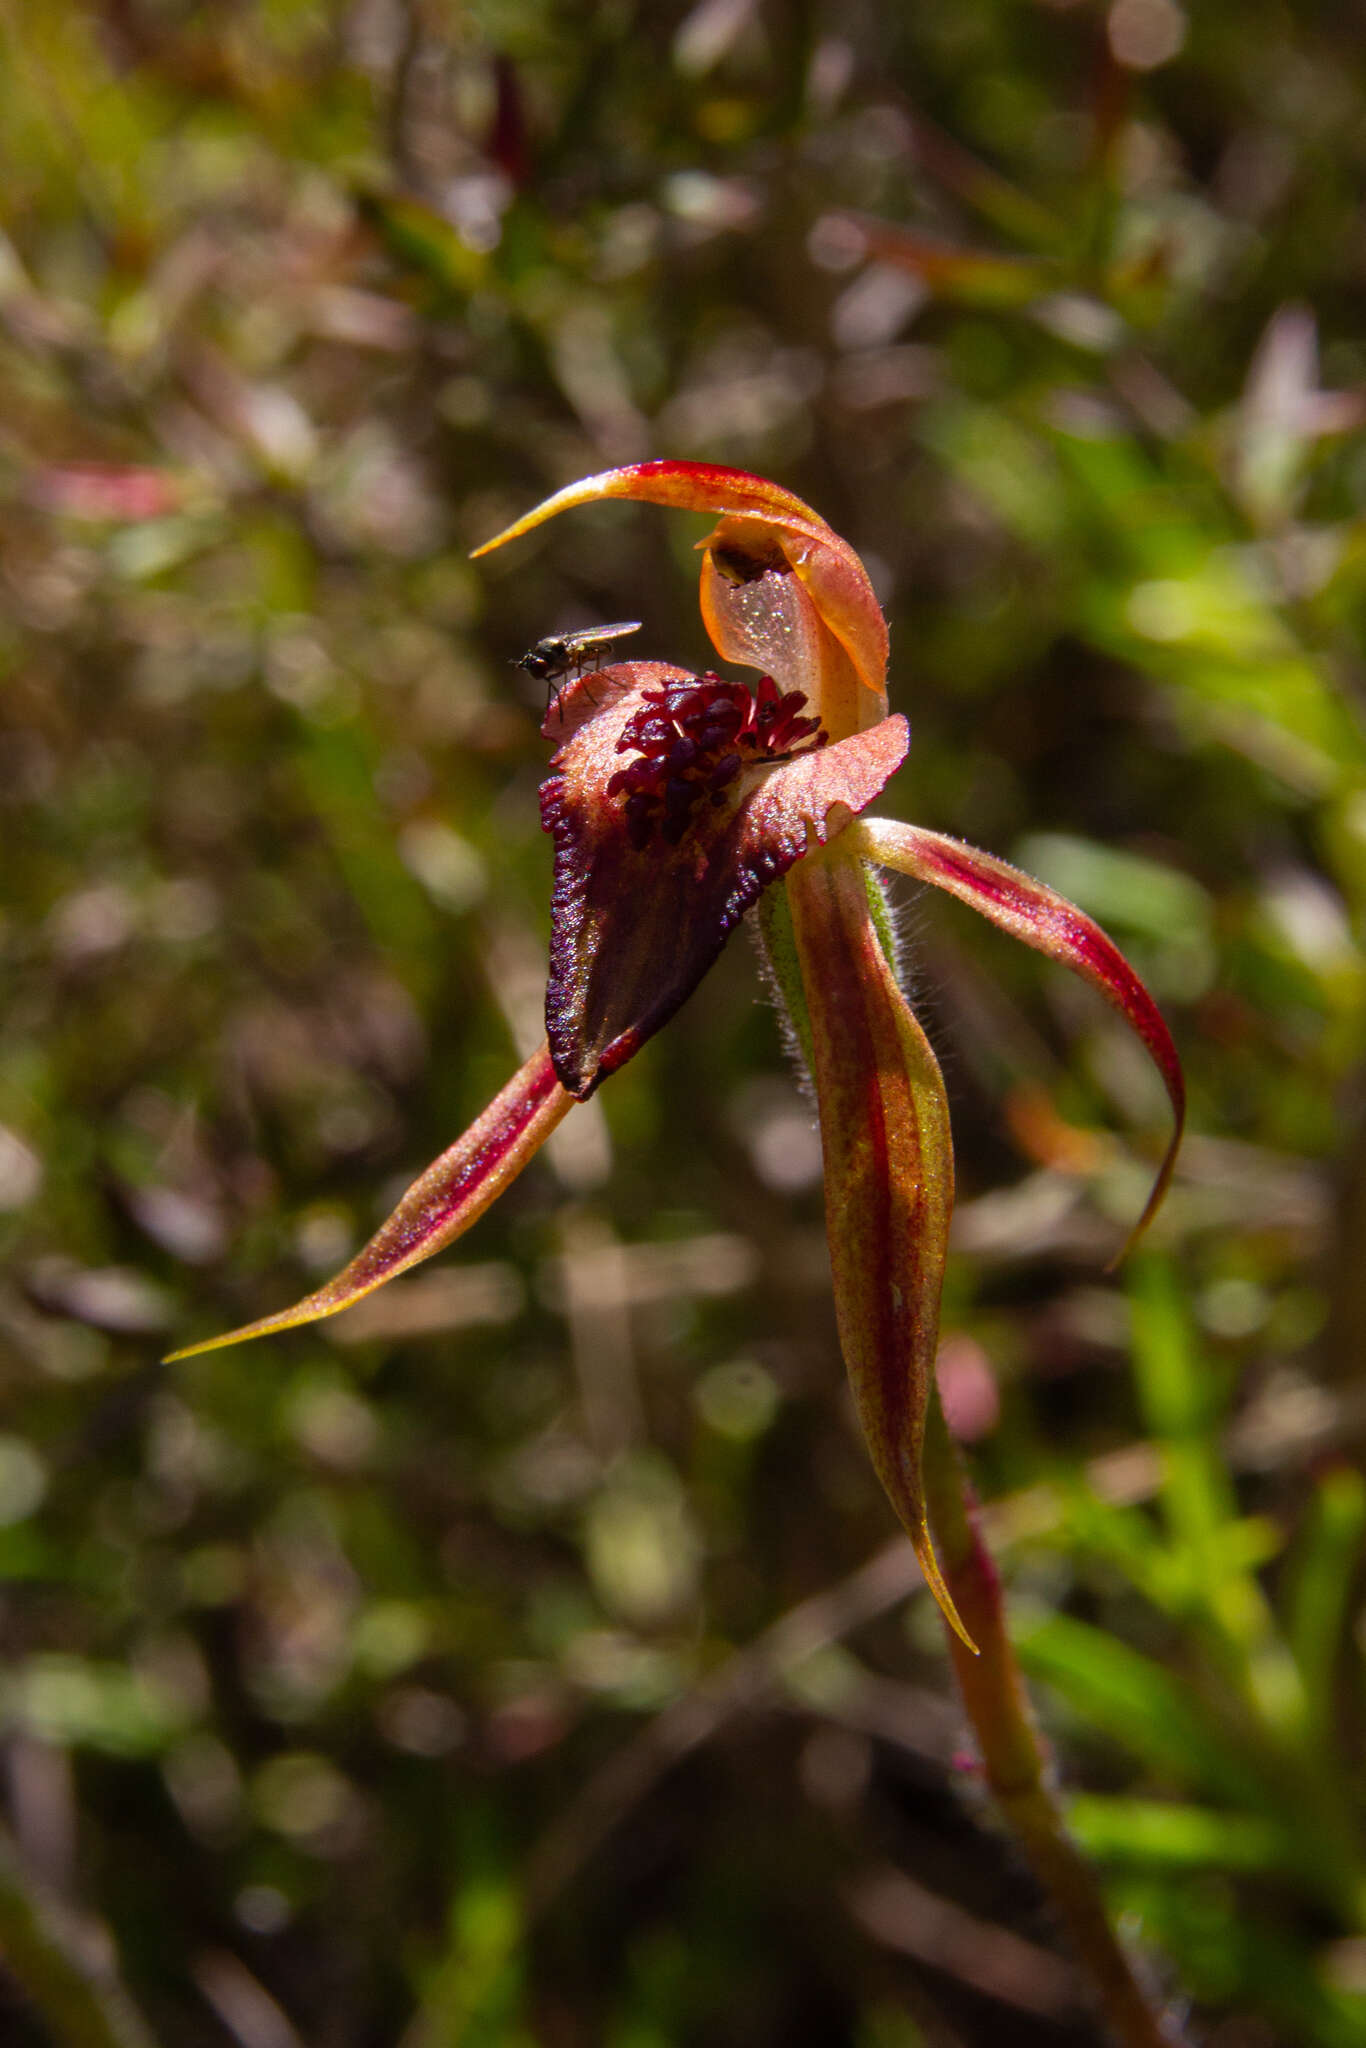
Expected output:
(676, 802)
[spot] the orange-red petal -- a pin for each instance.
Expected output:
(1031, 911)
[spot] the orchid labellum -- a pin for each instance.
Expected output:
(677, 804)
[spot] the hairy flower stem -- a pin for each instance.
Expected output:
(1015, 1761)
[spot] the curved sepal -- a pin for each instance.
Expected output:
(1031, 911)
(441, 1204)
(687, 486)
(888, 1179)
(765, 533)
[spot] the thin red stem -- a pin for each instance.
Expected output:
(1015, 1760)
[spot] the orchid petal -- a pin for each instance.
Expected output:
(637, 922)
(765, 531)
(888, 1179)
(1030, 911)
(440, 1205)
(804, 615)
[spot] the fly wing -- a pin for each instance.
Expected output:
(597, 636)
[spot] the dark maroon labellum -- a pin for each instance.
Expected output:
(659, 855)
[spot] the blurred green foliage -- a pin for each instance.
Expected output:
(504, 1663)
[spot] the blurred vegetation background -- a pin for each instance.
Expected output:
(528, 1657)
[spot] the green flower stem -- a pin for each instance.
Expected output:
(62, 1968)
(1015, 1762)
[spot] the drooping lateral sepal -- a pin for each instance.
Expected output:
(1031, 911)
(672, 805)
(888, 1159)
(440, 1205)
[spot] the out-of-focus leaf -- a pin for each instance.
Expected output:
(1220, 1754)
(1182, 1403)
(471, 1996)
(78, 1702)
(1324, 1570)
(1181, 1400)
(963, 276)
(1228, 1957)
(1145, 1709)
(1157, 1833)
(423, 241)
(1129, 1540)
(1016, 212)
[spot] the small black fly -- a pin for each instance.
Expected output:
(551, 660)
